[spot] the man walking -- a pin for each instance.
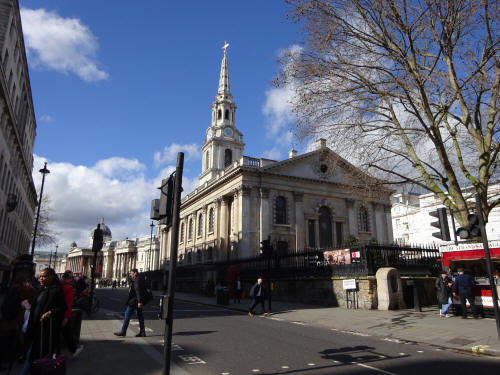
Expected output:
(136, 294)
(463, 288)
(443, 292)
(258, 293)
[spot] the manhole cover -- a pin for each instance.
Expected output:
(460, 341)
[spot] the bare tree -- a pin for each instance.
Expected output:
(409, 90)
(45, 235)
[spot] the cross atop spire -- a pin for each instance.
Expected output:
(224, 90)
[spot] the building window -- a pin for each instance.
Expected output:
(280, 210)
(207, 160)
(312, 233)
(226, 114)
(228, 157)
(190, 229)
(211, 219)
(200, 224)
(219, 114)
(363, 224)
(325, 227)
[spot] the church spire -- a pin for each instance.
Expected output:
(224, 90)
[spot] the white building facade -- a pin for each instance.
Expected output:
(412, 223)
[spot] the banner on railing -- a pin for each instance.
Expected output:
(338, 256)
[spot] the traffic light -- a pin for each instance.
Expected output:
(266, 249)
(441, 224)
(472, 229)
(97, 242)
(166, 200)
(155, 209)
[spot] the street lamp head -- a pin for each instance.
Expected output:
(44, 170)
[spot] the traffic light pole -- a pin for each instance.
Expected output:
(494, 294)
(174, 241)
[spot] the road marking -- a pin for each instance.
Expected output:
(285, 367)
(255, 370)
(299, 323)
(224, 373)
(333, 329)
(401, 353)
(336, 362)
(420, 351)
(374, 368)
(356, 333)
(176, 348)
(479, 348)
(277, 319)
(392, 340)
(192, 359)
(311, 364)
(149, 329)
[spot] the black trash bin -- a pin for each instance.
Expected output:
(76, 324)
(222, 296)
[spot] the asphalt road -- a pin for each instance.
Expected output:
(213, 340)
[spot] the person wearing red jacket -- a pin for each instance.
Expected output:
(69, 295)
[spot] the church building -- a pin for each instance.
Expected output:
(309, 201)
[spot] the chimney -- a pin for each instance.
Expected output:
(292, 153)
(320, 143)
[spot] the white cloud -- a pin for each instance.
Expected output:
(169, 153)
(115, 189)
(46, 118)
(273, 154)
(65, 45)
(278, 109)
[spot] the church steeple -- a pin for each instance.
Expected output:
(224, 91)
(224, 143)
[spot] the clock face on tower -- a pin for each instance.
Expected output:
(228, 132)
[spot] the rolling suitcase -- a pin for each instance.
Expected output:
(51, 364)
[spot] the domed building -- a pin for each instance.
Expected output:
(106, 233)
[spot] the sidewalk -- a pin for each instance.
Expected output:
(471, 335)
(105, 353)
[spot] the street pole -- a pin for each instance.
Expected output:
(96, 247)
(454, 227)
(50, 258)
(55, 258)
(43, 171)
(174, 241)
(150, 267)
(489, 266)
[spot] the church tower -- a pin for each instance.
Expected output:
(223, 143)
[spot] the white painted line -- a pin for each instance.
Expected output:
(255, 370)
(391, 340)
(277, 319)
(356, 333)
(336, 361)
(333, 329)
(381, 356)
(284, 367)
(374, 368)
(299, 323)
(149, 329)
(420, 351)
(224, 373)
(311, 364)
(401, 353)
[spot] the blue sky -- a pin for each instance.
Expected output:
(115, 83)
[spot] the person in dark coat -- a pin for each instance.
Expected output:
(136, 294)
(47, 313)
(462, 287)
(443, 286)
(259, 293)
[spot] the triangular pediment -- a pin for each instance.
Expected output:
(324, 165)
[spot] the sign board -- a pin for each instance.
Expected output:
(467, 246)
(337, 256)
(349, 284)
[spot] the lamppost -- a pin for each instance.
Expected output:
(152, 225)
(55, 259)
(43, 171)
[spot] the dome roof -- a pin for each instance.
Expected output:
(106, 232)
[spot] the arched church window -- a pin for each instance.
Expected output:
(181, 239)
(228, 157)
(226, 114)
(200, 224)
(190, 229)
(325, 227)
(364, 224)
(211, 219)
(280, 210)
(219, 114)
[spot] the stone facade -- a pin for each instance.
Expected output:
(17, 137)
(313, 200)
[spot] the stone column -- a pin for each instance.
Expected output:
(388, 223)
(245, 215)
(300, 225)
(223, 233)
(378, 213)
(352, 220)
(265, 223)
